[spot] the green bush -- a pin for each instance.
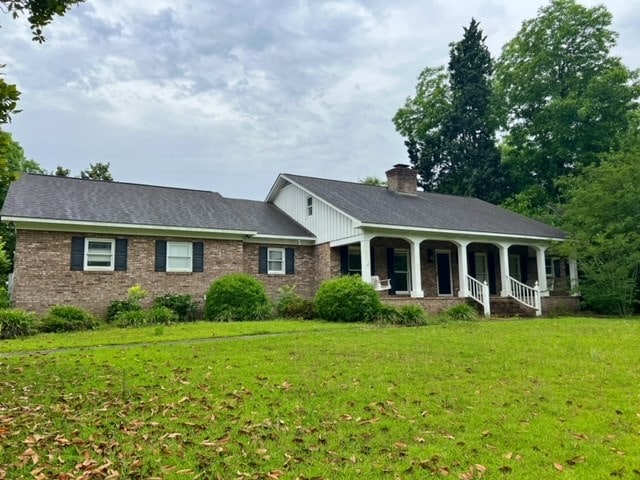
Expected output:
(347, 299)
(132, 304)
(462, 312)
(183, 305)
(161, 315)
(237, 296)
(4, 298)
(131, 318)
(407, 315)
(117, 307)
(292, 305)
(67, 318)
(16, 323)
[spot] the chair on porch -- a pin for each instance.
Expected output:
(380, 284)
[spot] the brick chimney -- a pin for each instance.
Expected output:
(402, 179)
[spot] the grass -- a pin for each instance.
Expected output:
(552, 398)
(158, 334)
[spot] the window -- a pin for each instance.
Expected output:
(275, 261)
(309, 206)
(552, 267)
(99, 254)
(482, 267)
(179, 256)
(355, 260)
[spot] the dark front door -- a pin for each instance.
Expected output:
(443, 263)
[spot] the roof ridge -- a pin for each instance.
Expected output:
(332, 180)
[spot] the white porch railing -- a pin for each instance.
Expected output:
(526, 295)
(480, 293)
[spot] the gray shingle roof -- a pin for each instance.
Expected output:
(73, 199)
(379, 205)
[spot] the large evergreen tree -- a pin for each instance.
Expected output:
(449, 127)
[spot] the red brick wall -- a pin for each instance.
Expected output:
(42, 275)
(304, 276)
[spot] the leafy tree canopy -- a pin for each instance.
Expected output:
(97, 171)
(563, 98)
(372, 180)
(603, 213)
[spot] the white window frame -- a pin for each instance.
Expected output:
(309, 205)
(282, 270)
(87, 254)
(485, 264)
(171, 245)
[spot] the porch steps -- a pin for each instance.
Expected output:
(508, 307)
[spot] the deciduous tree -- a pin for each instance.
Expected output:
(564, 99)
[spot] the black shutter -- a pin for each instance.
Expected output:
(491, 259)
(471, 264)
(524, 266)
(120, 264)
(77, 253)
(289, 261)
(373, 262)
(344, 260)
(391, 269)
(556, 268)
(262, 259)
(161, 256)
(198, 257)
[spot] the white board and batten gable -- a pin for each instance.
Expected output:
(325, 221)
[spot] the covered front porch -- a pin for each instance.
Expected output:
(439, 270)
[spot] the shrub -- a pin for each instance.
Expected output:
(161, 315)
(347, 299)
(131, 318)
(4, 298)
(407, 315)
(183, 305)
(413, 316)
(237, 296)
(462, 312)
(117, 307)
(132, 304)
(15, 323)
(67, 318)
(292, 305)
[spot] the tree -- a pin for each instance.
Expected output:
(99, 171)
(564, 100)
(13, 162)
(449, 126)
(60, 171)
(603, 214)
(373, 181)
(40, 13)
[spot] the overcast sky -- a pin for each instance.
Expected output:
(225, 95)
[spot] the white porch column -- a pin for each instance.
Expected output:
(416, 269)
(462, 268)
(573, 275)
(365, 258)
(542, 270)
(504, 268)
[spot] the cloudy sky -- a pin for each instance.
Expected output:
(225, 95)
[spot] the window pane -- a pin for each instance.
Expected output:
(355, 263)
(275, 255)
(99, 247)
(98, 260)
(179, 249)
(178, 263)
(275, 266)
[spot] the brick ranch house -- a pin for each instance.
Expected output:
(86, 242)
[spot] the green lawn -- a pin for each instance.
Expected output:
(534, 399)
